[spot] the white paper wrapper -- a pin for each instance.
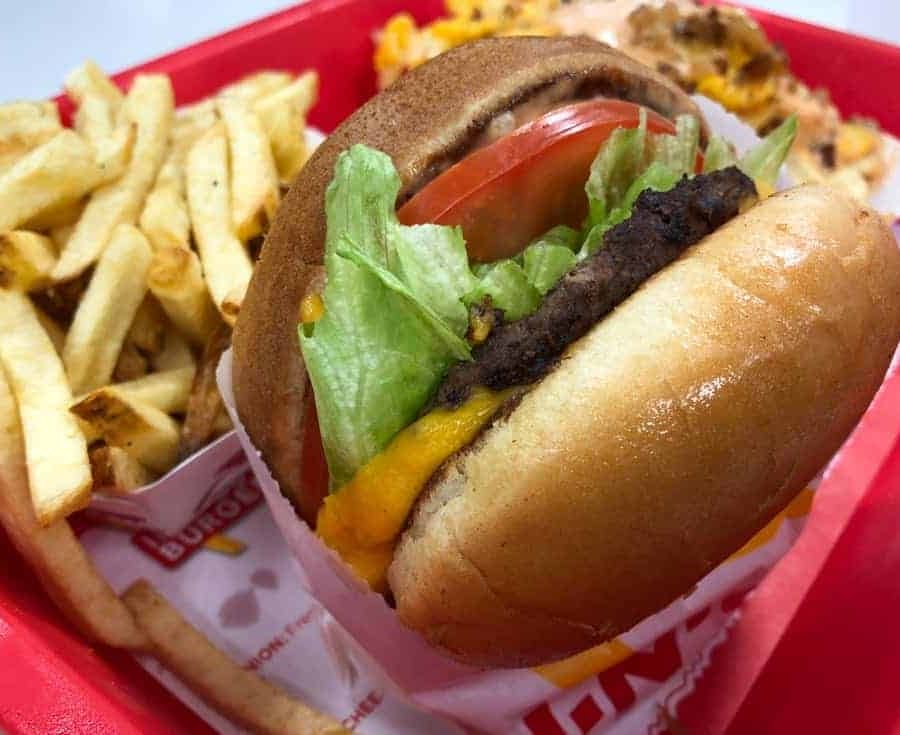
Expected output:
(263, 587)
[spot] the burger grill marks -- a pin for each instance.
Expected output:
(661, 227)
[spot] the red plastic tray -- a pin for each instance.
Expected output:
(816, 661)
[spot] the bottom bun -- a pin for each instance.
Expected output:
(669, 435)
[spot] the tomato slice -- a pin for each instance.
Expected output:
(513, 190)
(314, 470)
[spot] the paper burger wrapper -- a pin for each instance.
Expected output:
(259, 583)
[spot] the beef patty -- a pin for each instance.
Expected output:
(661, 227)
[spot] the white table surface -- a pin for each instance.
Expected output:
(40, 40)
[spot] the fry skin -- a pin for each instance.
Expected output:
(55, 449)
(226, 265)
(107, 310)
(53, 551)
(149, 105)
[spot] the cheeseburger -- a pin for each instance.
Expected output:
(533, 351)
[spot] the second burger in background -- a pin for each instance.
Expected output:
(562, 363)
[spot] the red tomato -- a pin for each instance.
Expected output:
(314, 472)
(515, 189)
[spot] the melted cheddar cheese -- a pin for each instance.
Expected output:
(362, 520)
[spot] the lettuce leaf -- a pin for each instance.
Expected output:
(393, 321)
(719, 154)
(763, 162)
(509, 289)
(550, 257)
(632, 161)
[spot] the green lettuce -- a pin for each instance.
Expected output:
(631, 161)
(763, 162)
(392, 324)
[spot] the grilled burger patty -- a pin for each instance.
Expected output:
(661, 227)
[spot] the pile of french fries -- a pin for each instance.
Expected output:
(125, 252)
(124, 257)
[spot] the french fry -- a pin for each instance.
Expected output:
(176, 279)
(167, 390)
(55, 332)
(190, 123)
(99, 101)
(256, 86)
(23, 127)
(26, 260)
(226, 265)
(175, 354)
(107, 310)
(61, 300)
(149, 105)
(59, 236)
(255, 192)
(245, 697)
(205, 402)
(165, 219)
(53, 552)
(114, 152)
(283, 117)
(116, 472)
(146, 433)
(55, 449)
(64, 214)
(55, 174)
(222, 424)
(88, 80)
(131, 364)
(148, 328)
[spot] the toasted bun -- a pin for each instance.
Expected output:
(425, 121)
(667, 437)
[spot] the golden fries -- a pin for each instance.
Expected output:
(131, 364)
(176, 279)
(256, 86)
(205, 403)
(114, 152)
(23, 127)
(105, 314)
(247, 698)
(175, 354)
(26, 260)
(64, 214)
(165, 219)
(116, 472)
(283, 114)
(55, 554)
(54, 174)
(103, 294)
(146, 433)
(255, 193)
(55, 332)
(56, 451)
(226, 265)
(167, 390)
(148, 328)
(149, 105)
(190, 123)
(88, 80)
